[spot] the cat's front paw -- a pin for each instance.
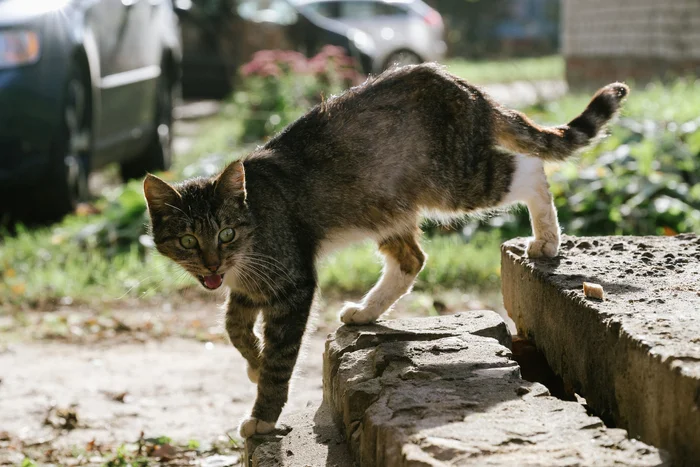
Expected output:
(540, 248)
(252, 426)
(355, 313)
(253, 374)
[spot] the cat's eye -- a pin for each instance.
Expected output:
(188, 241)
(227, 235)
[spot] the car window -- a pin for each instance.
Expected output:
(273, 11)
(327, 9)
(386, 9)
(365, 10)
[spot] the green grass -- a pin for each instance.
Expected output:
(676, 102)
(452, 263)
(70, 260)
(42, 268)
(508, 71)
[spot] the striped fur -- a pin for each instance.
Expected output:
(518, 133)
(366, 164)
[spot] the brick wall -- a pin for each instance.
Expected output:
(604, 40)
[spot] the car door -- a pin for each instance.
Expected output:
(128, 75)
(384, 22)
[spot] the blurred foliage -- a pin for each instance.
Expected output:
(278, 86)
(507, 71)
(643, 179)
(453, 263)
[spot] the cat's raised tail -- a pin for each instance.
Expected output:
(516, 132)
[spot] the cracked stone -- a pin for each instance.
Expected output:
(467, 404)
(632, 356)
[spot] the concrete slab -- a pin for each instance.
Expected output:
(308, 439)
(434, 392)
(635, 356)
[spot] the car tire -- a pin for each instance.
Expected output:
(65, 183)
(401, 58)
(157, 156)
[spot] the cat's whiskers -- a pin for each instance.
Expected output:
(187, 216)
(268, 272)
(272, 263)
(262, 275)
(249, 283)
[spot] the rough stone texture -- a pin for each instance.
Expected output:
(445, 391)
(635, 357)
(308, 438)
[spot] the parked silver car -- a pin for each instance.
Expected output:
(404, 31)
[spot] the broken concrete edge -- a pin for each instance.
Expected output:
(485, 323)
(630, 383)
(306, 438)
(482, 322)
(402, 403)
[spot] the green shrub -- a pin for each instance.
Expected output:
(643, 179)
(278, 86)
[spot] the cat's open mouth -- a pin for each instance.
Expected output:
(212, 282)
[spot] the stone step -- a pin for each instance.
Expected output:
(446, 391)
(307, 439)
(635, 356)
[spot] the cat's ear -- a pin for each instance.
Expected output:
(231, 182)
(160, 196)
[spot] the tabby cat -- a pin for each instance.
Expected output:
(369, 163)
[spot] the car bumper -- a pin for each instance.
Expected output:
(28, 124)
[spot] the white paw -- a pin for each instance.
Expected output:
(253, 374)
(251, 426)
(355, 313)
(540, 248)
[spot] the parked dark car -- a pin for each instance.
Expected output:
(219, 36)
(83, 83)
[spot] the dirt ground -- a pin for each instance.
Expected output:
(121, 383)
(76, 384)
(148, 384)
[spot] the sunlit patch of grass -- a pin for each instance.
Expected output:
(39, 267)
(507, 71)
(452, 263)
(47, 265)
(678, 102)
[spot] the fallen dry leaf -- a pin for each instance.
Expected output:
(165, 451)
(62, 418)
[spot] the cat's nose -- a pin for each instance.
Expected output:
(213, 267)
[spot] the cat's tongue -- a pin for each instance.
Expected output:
(214, 281)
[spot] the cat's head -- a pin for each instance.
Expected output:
(202, 224)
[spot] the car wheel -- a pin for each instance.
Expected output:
(66, 181)
(401, 58)
(158, 154)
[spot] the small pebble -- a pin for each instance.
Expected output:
(592, 290)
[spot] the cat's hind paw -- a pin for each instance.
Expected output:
(253, 374)
(540, 248)
(355, 313)
(252, 426)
